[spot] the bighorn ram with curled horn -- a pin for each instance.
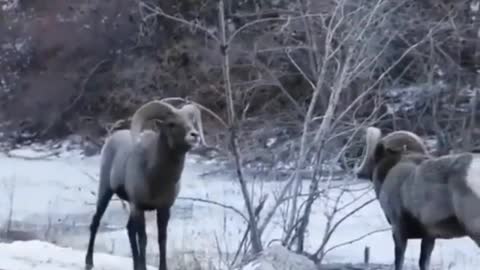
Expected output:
(144, 168)
(423, 197)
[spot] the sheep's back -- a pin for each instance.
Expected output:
(428, 195)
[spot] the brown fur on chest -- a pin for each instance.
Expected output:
(163, 180)
(155, 199)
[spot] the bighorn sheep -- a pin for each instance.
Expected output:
(144, 169)
(423, 197)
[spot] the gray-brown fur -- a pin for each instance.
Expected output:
(144, 168)
(423, 197)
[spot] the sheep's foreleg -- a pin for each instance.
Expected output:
(427, 246)
(142, 241)
(103, 200)
(132, 238)
(163, 215)
(400, 245)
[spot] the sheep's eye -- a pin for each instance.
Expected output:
(171, 124)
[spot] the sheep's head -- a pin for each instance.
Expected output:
(177, 126)
(396, 142)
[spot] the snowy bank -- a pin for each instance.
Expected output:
(37, 255)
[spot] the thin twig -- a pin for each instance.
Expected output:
(356, 239)
(158, 11)
(337, 224)
(226, 206)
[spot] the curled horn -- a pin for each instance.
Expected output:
(373, 136)
(398, 141)
(192, 112)
(149, 110)
(405, 141)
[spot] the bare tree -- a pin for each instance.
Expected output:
(344, 44)
(343, 56)
(232, 120)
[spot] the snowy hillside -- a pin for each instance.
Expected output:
(52, 200)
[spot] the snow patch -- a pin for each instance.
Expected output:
(38, 255)
(278, 257)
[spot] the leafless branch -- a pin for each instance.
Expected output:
(158, 11)
(237, 211)
(255, 237)
(328, 235)
(355, 239)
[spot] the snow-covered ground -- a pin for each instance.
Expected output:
(38, 255)
(53, 200)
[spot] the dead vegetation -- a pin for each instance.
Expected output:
(293, 82)
(126, 57)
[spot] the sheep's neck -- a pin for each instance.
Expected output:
(386, 164)
(382, 169)
(165, 169)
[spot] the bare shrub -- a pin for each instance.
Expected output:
(340, 54)
(294, 82)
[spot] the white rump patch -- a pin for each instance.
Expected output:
(473, 175)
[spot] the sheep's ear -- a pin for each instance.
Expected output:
(382, 150)
(391, 151)
(165, 123)
(157, 123)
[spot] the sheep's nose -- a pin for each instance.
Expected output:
(194, 134)
(193, 137)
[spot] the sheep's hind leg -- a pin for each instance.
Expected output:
(102, 204)
(163, 215)
(428, 243)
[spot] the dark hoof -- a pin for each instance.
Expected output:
(88, 266)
